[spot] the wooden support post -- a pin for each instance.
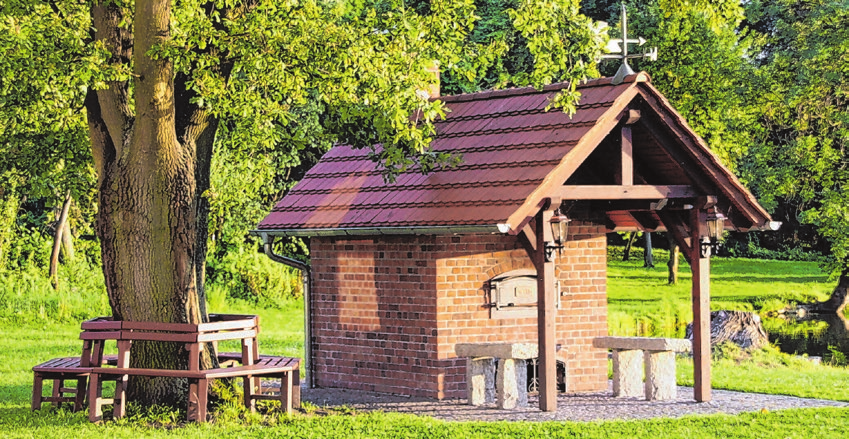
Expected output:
(626, 175)
(546, 315)
(700, 265)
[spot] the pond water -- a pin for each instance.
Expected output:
(818, 335)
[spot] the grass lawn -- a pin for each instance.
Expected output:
(634, 292)
(642, 303)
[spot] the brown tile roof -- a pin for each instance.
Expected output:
(514, 153)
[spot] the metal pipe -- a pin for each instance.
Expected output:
(268, 249)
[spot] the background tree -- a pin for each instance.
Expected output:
(160, 82)
(800, 164)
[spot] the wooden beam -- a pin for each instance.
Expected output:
(699, 153)
(546, 315)
(642, 205)
(647, 221)
(625, 173)
(677, 226)
(528, 239)
(700, 266)
(628, 192)
(633, 116)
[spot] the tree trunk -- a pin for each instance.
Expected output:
(67, 243)
(626, 256)
(147, 194)
(674, 256)
(648, 257)
(57, 241)
(739, 327)
(837, 302)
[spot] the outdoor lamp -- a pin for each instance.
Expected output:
(560, 232)
(715, 225)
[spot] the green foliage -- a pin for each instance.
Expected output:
(528, 42)
(26, 294)
(801, 160)
(701, 66)
(253, 277)
(836, 358)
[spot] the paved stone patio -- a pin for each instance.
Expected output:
(571, 407)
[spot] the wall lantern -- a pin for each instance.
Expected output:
(560, 232)
(715, 226)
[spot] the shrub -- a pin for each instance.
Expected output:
(255, 278)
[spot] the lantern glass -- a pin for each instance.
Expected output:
(560, 228)
(715, 224)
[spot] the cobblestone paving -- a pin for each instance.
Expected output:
(570, 407)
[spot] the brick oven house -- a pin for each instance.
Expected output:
(402, 272)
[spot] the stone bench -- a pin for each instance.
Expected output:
(658, 358)
(509, 391)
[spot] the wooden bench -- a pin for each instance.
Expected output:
(283, 368)
(60, 370)
(656, 355)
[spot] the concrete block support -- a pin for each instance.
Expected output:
(660, 375)
(510, 389)
(627, 373)
(480, 379)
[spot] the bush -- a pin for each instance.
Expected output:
(255, 278)
(26, 293)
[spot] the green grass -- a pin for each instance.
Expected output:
(642, 303)
(819, 423)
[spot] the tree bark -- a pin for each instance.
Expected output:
(67, 243)
(648, 256)
(626, 256)
(674, 256)
(739, 327)
(835, 304)
(148, 195)
(57, 241)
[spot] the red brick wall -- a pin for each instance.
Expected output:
(387, 311)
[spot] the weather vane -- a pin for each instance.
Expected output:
(621, 52)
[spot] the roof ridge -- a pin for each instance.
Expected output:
(509, 92)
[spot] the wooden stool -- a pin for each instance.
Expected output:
(60, 370)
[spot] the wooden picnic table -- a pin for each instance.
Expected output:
(195, 337)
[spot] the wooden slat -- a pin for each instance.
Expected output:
(236, 335)
(227, 325)
(629, 192)
(179, 337)
(158, 326)
(100, 335)
(101, 324)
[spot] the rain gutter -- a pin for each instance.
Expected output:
(267, 247)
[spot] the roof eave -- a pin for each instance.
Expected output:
(363, 231)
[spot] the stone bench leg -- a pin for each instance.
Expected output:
(627, 373)
(511, 386)
(480, 380)
(660, 375)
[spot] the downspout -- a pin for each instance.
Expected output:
(267, 247)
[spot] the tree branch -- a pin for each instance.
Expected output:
(114, 102)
